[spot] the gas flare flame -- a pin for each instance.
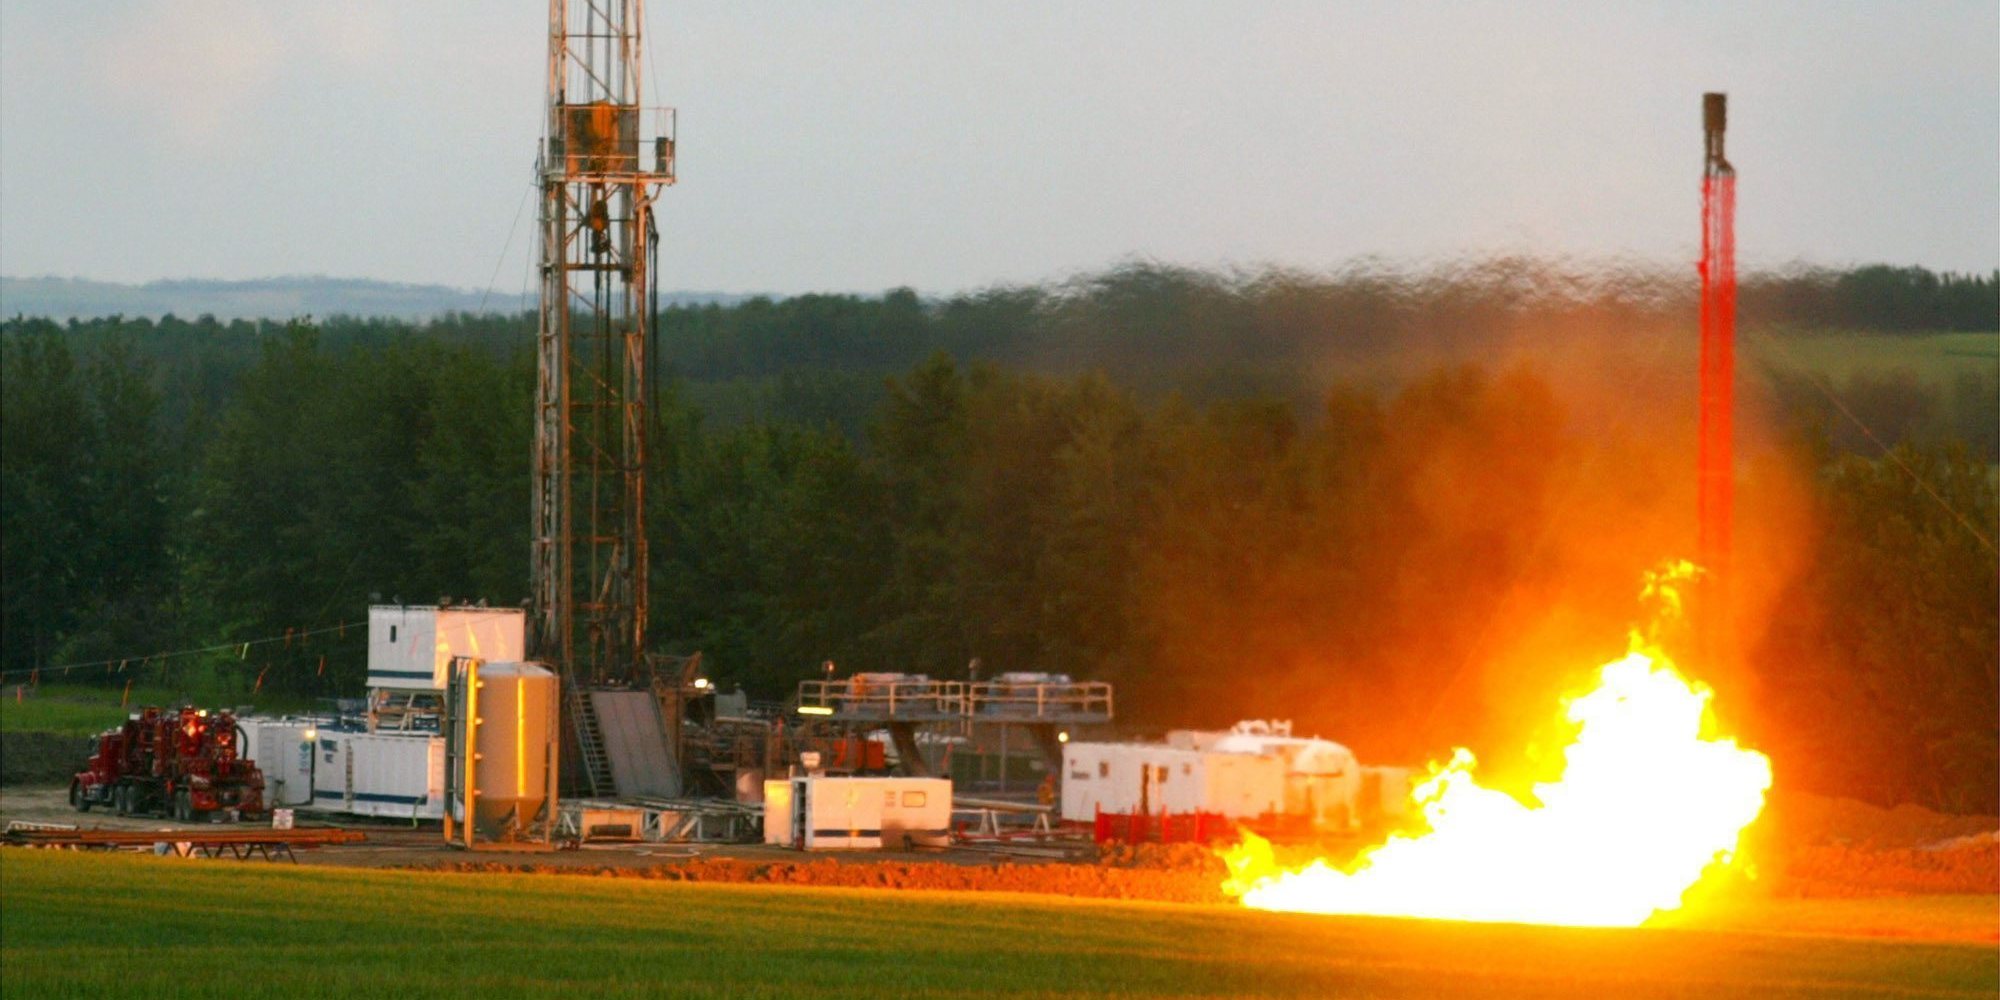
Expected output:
(1647, 804)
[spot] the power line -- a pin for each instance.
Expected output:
(1819, 382)
(505, 248)
(288, 637)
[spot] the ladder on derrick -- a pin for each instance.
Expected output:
(589, 743)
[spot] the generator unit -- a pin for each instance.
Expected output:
(391, 775)
(819, 812)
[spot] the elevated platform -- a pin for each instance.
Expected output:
(862, 699)
(921, 700)
(1051, 702)
(658, 821)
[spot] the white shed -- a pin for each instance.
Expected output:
(410, 647)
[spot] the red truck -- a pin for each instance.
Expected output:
(182, 763)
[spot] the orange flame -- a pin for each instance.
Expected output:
(1647, 805)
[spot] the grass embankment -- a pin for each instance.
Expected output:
(77, 925)
(45, 729)
(63, 710)
(83, 710)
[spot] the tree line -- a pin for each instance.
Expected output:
(1401, 563)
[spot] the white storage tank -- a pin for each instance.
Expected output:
(514, 743)
(410, 647)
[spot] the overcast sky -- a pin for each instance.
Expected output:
(946, 146)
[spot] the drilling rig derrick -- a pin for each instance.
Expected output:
(603, 159)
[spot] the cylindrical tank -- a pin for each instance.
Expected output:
(514, 743)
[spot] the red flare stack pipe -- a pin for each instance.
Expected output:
(1715, 461)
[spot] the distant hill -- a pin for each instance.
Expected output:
(267, 298)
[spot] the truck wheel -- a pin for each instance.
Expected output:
(79, 799)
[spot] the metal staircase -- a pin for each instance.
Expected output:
(590, 744)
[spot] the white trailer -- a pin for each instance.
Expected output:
(1128, 778)
(820, 812)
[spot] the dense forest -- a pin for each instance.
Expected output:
(1407, 509)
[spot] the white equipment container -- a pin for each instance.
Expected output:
(333, 779)
(1127, 778)
(1241, 786)
(1323, 780)
(283, 750)
(915, 811)
(410, 647)
(817, 812)
(396, 775)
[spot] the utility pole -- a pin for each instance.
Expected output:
(603, 159)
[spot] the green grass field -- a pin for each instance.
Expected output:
(71, 711)
(90, 926)
(1936, 358)
(82, 710)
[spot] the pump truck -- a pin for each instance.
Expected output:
(185, 763)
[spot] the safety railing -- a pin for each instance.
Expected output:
(858, 697)
(986, 701)
(602, 141)
(1052, 701)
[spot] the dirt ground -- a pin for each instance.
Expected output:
(1805, 846)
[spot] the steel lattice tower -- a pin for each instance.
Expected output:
(603, 159)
